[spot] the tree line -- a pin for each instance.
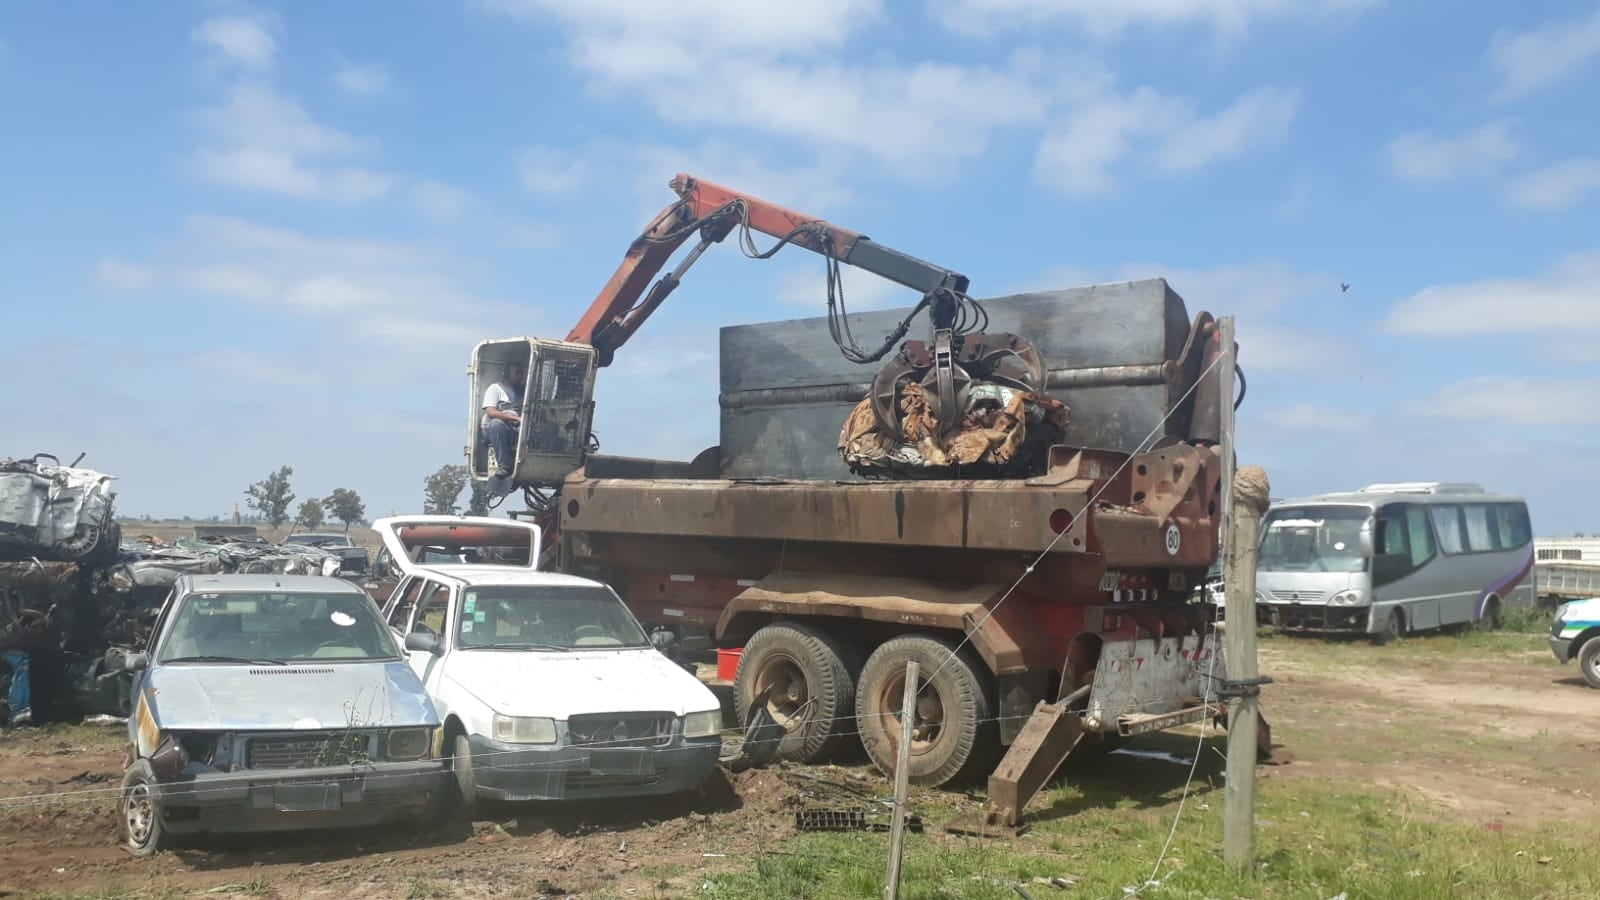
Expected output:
(273, 496)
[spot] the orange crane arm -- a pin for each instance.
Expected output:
(714, 211)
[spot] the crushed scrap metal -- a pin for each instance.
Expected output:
(75, 595)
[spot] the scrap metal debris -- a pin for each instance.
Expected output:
(75, 594)
(859, 819)
(1003, 430)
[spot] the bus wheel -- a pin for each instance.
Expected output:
(1490, 621)
(811, 676)
(1392, 629)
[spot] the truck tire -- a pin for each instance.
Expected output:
(1589, 662)
(954, 732)
(812, 675)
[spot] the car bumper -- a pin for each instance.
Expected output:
(285, 799)
(1298, 617)
(1562, 648)
(516, 772)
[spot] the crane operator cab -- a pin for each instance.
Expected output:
(556, 409)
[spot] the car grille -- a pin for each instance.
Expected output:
(309, 752)
(634, 729)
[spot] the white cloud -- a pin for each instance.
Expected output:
(440, 201)
(1247, 290)
(244, 41)
(548, 170)
(1107, 18)
(1558, 186)
(361, 80)
(1425, 156)
(259, 368)
(1260, 115)
(260, 140)
(277, 172)
(1564, 300)
(1532, 60)
(1508, 400)
(529, 236)
(121, 275)
(255, 115)
(388, 291)
(862, 290)
(1303, 418)
(1077, 155)
(814, 189)
(728, 65)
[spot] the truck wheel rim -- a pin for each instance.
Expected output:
(139, 812)
(927, 724)
(790, 692)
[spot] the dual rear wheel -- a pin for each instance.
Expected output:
(820, 690)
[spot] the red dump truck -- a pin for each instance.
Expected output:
(1024, 503)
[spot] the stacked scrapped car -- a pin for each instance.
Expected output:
(274, 702)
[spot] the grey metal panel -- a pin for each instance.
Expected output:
(1123, 324)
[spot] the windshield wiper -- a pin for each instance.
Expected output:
(519, 646)
(231, 659)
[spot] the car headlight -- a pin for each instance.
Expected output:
(406, 744)
(1349, 598)
(522, 730)
(703, 724)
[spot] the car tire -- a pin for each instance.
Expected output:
(1393, 628)
(1589, 662)
(782, 652)
(465, 781)
(953, 693)
(139, 813)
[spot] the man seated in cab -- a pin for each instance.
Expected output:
(502, 416)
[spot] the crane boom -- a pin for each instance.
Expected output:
(714, 211)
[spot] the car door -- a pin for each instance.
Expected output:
(433, 613)
(402, 602)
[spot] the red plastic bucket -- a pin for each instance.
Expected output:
(728, 663)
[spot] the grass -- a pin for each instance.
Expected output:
(1314, 839)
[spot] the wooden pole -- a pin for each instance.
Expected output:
(902, 783)
(1245, 499)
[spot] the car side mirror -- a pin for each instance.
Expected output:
(423, 642)
(136, 662)
(1368, 545)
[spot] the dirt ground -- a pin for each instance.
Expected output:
(1474, 734)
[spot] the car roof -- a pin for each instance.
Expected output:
(238, 581)
(469, 575)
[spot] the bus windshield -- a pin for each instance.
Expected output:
(1313, 539)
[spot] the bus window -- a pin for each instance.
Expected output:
(1480, 537)
(1447, 523)
(1421, 536)
(1515, 529)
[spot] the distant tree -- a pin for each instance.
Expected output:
(346, 506)
(310, 513)
(271, 496)
(442, 489)
(478, 501)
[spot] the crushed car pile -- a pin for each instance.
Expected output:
(76, 594)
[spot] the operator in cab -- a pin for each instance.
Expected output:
(502, 416)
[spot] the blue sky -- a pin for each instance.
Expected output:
(241, 235)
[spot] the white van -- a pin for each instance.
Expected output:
(547, 685)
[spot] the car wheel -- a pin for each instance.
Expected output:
(139, 813)
(953, 731)
(811, 676)
(1589, 662)
(466, 781)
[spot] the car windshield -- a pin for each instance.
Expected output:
(541, 617)
(285, 626)
(1313, 539)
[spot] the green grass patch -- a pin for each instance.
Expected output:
(1314, 839)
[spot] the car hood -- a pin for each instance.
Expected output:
(560, 684)
(218, 697)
